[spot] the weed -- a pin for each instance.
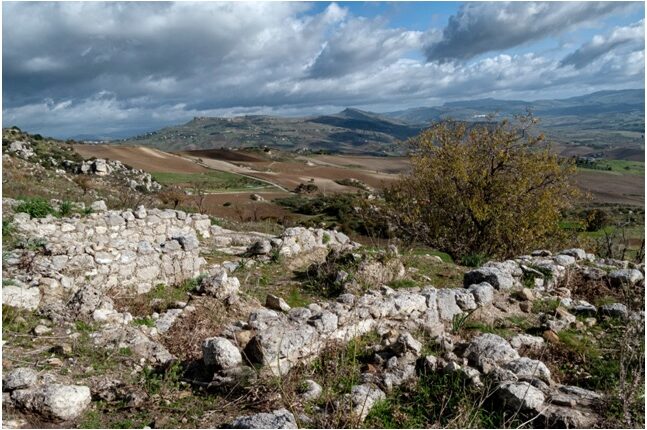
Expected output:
(459, 321)
(145, 321)
(18, 320)
(474, 260)
(84, 327)
(402, 283)
(158, 381)
(547, 306)
(65, 208)
(36, 207)
(439, 400)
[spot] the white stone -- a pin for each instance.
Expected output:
(99, 206)
(21, 377)
(61, 402)
(521, 396)
(21, 297)
(279, 419)
(221, 352)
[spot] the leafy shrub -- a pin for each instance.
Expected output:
(493, 189)
(36, 207)
(597, 219)
(306, 189)
(323, 278)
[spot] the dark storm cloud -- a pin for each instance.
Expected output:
(485, 27)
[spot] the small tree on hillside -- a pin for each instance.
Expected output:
(489, 189)
(172, 196)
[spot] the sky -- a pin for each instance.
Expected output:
(115, 69)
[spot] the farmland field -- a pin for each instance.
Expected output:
(234, 172)
(211, 181)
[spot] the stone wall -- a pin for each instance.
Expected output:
(129, 249)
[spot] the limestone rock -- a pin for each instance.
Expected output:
(279, 419)
(617, 310)
(528, 369)
(526, 341)
(363, 398)
(276, 303)
(55, 401)
(407, 343)
(99, 206)
(21, 297)
(577, 253)
(465, 300)
(447, 306)
(494, 276)
(21, 377)
(220, 285)
(220, 352)
(489, 346)
(521, 396)
(311, 390)
(483, 293)
(621, 277)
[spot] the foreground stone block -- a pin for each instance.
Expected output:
(279, 419)
(55, 401)
(220, 352)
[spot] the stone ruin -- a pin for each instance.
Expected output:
(83, 258)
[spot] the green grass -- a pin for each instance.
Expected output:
(296, 299)
(443, 274)
(403, 283)
(212, 181)
(623, 167)
(547, 306)
(438, 400)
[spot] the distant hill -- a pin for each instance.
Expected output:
(599, 121)
(351, 131)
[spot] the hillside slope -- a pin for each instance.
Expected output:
(603, 121)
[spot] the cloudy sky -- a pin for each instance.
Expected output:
(117, 69)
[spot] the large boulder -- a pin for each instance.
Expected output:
(55, 401)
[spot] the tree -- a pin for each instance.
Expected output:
(200, 191)
(493, 189)
(596, 219)
(172, 196)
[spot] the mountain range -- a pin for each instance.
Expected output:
(600, 121)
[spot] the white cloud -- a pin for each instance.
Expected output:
(632, 36)
(74, 68)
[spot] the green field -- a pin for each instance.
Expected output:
(622, 167)
(214, 181)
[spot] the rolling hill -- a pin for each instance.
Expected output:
(610, 123)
